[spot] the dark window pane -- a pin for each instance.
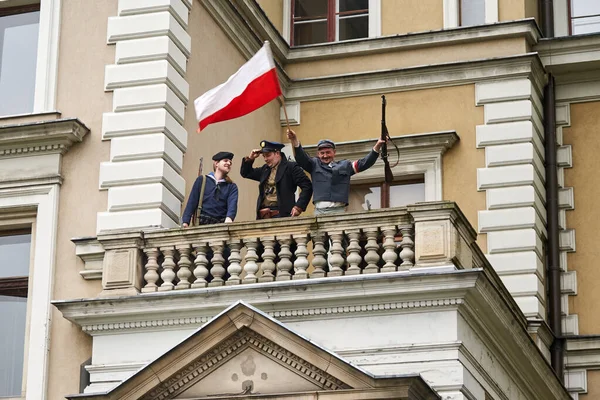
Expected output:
(582, 8)
(18, 56)
(585, 25)
(352, 5)
(354, 27)
(14, 255)
(310, 33)
(472, 12)
(12, 346)
(310, 8)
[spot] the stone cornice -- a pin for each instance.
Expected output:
(30, 138)
(569, 50)
(583, 352)
(414, 78)
(245, 22)
(396, 292)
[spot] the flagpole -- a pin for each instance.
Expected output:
(282, 102)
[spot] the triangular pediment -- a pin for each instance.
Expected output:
(242, 353)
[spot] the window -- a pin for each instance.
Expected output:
(585, 16)
(19, 28)
(14, 277)
(372, 196)
(320, 21)
(472, 12)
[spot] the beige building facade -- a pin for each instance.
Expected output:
(451, 292)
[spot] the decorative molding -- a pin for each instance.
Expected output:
(231, 347)
(91, 252)
(33, 138)
(293, 113)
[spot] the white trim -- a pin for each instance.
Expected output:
(561, 17)
(374, 18)
(491, 11)
(451, 14)
(47, 56)
(287, 16)
(45, 199)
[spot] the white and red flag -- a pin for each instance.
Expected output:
(251, 87)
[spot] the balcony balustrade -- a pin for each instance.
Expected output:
(416, 237)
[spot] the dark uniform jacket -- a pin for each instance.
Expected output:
(332, 182)
(220, 200)
(289, 176)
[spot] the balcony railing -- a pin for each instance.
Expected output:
(402, 239)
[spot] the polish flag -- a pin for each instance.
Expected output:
(251, 87)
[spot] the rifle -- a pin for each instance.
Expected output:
(389, 177)
(195, 215)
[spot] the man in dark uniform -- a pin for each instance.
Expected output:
(219, 197)
(331, 178)
(278, 180)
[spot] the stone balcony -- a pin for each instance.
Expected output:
(394, 292)
(406, 239)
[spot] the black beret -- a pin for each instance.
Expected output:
(267, 146)
(325, 143)
(222, 155)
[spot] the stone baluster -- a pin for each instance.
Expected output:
(201, 262)
(336, 260)
(319, 260)
(372, 257)
(217, 270)
(183, 272)
(354, 257)
(389, 255)
(407, 254)
(285, 264)
(268, 265)
(301, 263)
(234, 269)
(151, 268)
(168, 273)
(251, 268)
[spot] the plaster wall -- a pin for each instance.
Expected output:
(409, 58)
(214, 58)
(593, 385)
(582, 136)
(422, 111)
(510, 10)
(83, 55)
(399, 17)
(274, 11)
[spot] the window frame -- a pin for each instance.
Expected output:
(384, 195)
(570, 19)
(452, 13)
(46, 70)
(374, 15)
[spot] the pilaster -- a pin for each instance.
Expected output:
(145, 127)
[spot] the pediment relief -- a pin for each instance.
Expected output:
(245, 363)
(244, 353)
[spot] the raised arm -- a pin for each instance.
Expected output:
(302, 158)
(246, 169)
(192, 203)
(367, 161)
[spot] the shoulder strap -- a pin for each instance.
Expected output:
(200, 200)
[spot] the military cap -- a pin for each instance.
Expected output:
(222, 155)
(267, 146)
(325, 143)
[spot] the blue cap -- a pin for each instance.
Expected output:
(267, 146)
(325, 143)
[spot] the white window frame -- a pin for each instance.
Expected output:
(374, 19)
(452, 13)
(45, 200)
(47, 56)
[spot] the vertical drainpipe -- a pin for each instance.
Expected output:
(553, 256)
